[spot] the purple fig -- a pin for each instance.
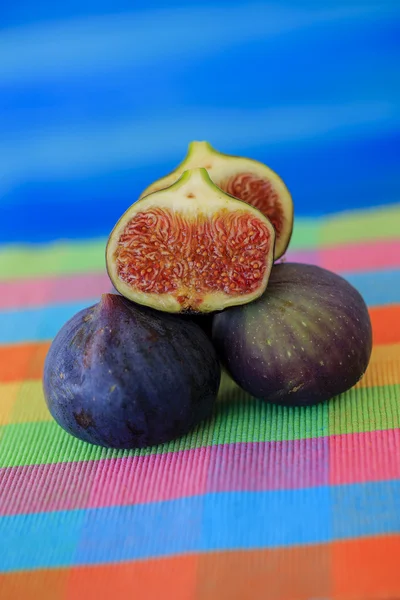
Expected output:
(124, 376)
(305, 340)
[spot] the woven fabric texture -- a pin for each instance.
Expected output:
(260, 502)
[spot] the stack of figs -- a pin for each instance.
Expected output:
(197, 286)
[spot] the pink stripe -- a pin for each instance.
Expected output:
(107, 482)
(302, 256)
(361, 257)
(36, 292)
(362, 457)
(269, 466)
(136, 480)
(24, 293)
(335, 460)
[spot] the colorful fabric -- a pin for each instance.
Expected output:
(259, 502)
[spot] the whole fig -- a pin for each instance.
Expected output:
(305, 340)
(123, 376)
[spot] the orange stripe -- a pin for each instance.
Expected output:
(34, 585)
(366, 568)
(386, 324)
(357, 568)
(279, 574)
(170, 578)
(25, 361)
(22, 361)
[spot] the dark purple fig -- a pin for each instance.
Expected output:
(124, 376)
(305, 340)
(203, 321)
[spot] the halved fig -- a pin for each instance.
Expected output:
(246, 179)
(191, 248)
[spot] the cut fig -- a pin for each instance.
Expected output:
(191, 248)
(246, 179)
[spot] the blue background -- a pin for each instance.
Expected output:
(98, 101)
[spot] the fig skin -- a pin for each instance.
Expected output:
(240, 177)
(306, 340)
(123, 376)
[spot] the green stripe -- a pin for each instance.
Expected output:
(61, 258)
(356, 226)
(306, 234)
(365, 409)
(238, 418)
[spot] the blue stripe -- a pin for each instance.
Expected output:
(40, 540)
(77, 150)
(98, 103)
(28, 12)
(365, 509)
(37, 323)
(103, 42)
(377, 288)
(90, 205)
(226, 521)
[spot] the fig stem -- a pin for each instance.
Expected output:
(107, 301)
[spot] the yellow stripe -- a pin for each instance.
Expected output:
(8, 395)
(384, 368)
(23, 401)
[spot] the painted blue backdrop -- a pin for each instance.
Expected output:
(98, 101)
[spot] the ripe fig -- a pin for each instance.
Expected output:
(307, 339)
(246, 179)
(191, 248)
(125, 376)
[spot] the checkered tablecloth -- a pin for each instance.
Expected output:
(258, 503)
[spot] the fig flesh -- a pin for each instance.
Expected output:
(246, 179)
(125, 376)
(307, 339)
(191, 248)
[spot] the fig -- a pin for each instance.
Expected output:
(307, 339)
(246, 179)
(125, 376)
(191, 248)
